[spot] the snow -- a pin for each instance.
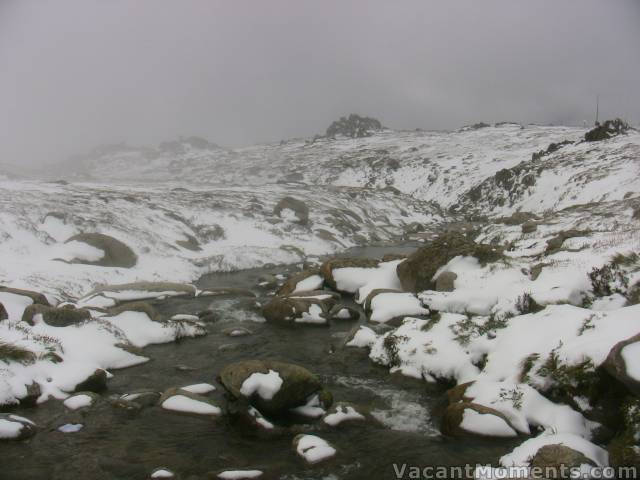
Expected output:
(486, 424)
(313, 282)
(631, 356)
(385, 306)
(14, 304)
(312, 409)
(260, 420)
(70, 427)
(239, 474)
(78, 401)
(363, 280)
(182, 403)
(140, 330)
(199, 388)
(266, 385)
(342, 414)
(314, 449)
(364, 337)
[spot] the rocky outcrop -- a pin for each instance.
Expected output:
(417, 271)
(297, 385)
(56, 317)
(116, 253)
(298, 207)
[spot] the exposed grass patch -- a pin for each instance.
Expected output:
(14, 353)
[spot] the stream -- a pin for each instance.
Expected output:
(118, 444)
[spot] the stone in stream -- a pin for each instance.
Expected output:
(136, 400)
(15, 427)
(313, 308)
(272, 387)
(81, 400)
(341, 413)
(328, 267)
(244, 474)
(312, 448)
(237, 332)
(344, 312)
(305, 280)
(55, 317)
(96, 382)
(182, 401)
(162, 472)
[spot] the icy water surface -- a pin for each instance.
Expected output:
(115, 444)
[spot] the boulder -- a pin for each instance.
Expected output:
(553, 459)
(250, 421)
(56, 317)
(453, 421)
(373, 293)
(292, 282)
(344, 413)
(529, 227)
(615, 365)
(31, 398)
(327, 268)
(116, 253)
(15, 427)
(36, 297)
(458, 393)
(185, 402)
(298, 207)
(298, 384)
(290, 309)
(417, 271)
(344, 312)
(446, 282)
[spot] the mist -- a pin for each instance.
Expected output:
(76, 74)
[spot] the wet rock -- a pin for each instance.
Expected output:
(446, 282)
(185, 402)
(81, 400)
(36, 297)
(292, 282)
(267, 281)
(237, 332)
(162, 472)
(297, 384)
(554, 459)
(96, 382)
(244, 474)
(31, 398)
(249, 421)
(136, 400)
(453, 421)
(298, 207)
(208, 316)
(295, 309)
(116, 253)
(15, 427)
(616, 366)
(344, 312)
(327, 268)
(343, 413)
(417, 271)
(56, 317)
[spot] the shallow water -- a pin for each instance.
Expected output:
(119, 445)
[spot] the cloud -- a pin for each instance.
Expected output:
(84, 72)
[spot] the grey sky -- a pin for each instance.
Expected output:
(74, 74)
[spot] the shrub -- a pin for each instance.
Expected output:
(608, 129)
(526, 304)
(608, 279)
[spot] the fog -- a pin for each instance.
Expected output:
(75, 74)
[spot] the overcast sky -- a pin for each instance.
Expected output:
(74, 74)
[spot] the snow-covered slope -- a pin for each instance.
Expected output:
(491, 169)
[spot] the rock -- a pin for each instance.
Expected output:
(31, 398)
(3, 312)
(183, 401)
(518, 218)
(555, 244)
(56, 317)
(237, 332)
(452, 422)
(313, 449)
(344, 312)
(417, 271)
(327, 268)
(446, 282)
(390, 257)
(267, 281)
(116, 253)
(298, 384)
(292, 282)
(14, 427)
(608, 129)
(553, 459)
(136, 400)
(353, 126)
(143, 307)
(250, 421)
(96, 382)
(292, 309)
(244, 474)
(457, 393)
(615, 365)
(146, 290)
(208, 316)
(298, 207)
(162, 472)
(529, 227)
(36, 297)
